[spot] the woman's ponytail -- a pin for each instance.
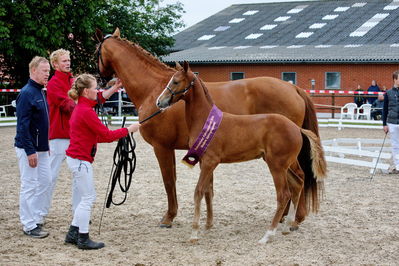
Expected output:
(81, 82)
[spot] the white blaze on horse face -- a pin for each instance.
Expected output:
(164, 104)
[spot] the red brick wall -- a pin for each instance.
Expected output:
(351, 75)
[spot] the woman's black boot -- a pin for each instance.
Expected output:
(84, 242)
(72, 235)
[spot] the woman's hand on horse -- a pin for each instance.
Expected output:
(133, 127)
(118, 84)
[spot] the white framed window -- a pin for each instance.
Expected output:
(289, 77)
(236, 75)
(333, 80)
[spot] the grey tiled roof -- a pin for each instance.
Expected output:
(288, 54)
(369, 27)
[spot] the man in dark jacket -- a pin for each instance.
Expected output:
(390, 119)
(376, 107)
(373, 88)
(31, 145)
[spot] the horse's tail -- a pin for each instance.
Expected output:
(313, 163)
(310, 119)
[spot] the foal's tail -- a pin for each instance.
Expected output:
(313, 163)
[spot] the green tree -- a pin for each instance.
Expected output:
(38, 27)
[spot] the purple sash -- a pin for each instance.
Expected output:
(205, 137)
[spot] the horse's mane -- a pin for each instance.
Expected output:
(145, 54)
(208, 96)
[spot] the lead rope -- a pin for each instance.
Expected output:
(124, 160)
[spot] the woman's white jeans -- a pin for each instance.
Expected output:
(35, 183)
(394, 135)
(82, 172)
(57, 156)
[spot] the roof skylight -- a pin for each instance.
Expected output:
(242, 47)
(353, 45)
(357, 33)
(269, 27)
(205, 37)
(253, 36)
(295, 46)
(330, 17)
(392, 6)
(359, 4)
(221, 28)
(283, 18)
(297, 9)
(341, 9)
(250, 12)
(323, 46)
(317, 25)
(268, 46)
(368, 25)
(236, 20)
(216, 47)
(380, 16)
(304, 35)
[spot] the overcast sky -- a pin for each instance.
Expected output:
(197, 10)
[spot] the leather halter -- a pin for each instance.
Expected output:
(183, 91)
(99, 55)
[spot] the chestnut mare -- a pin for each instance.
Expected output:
(144, 77)
(239, 138)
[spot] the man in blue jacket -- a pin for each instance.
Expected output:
(390, 119)
(373, 88)
(32, 148)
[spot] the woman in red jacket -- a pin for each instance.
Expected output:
(86, 130)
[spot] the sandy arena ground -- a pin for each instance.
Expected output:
(357, 224)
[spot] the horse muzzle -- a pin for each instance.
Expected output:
(164, 103)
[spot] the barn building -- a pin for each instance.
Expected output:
(334, 45)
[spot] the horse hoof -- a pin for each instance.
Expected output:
(161, 225)
(193, 240)
(208, 226)
(294, 228)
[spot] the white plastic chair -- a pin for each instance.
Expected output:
(348, 110)
(365, 111)
(3, 111)
(14, 104)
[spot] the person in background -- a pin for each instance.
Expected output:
(377, 106)
(86, 130)
(31, 146)
(111, 106)
(61, 107)
(373, 88)
(390, 119)
(359, 99)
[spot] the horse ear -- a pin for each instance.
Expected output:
(178, 66)
(186, 66)
(99, 35)
(117, 33)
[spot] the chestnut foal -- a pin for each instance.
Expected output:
(272, 137)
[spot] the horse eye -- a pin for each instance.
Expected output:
(175, 82)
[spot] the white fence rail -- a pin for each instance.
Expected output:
(359, 152)
(113, 120)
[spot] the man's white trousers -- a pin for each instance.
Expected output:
(35, 184)
(394, 135)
